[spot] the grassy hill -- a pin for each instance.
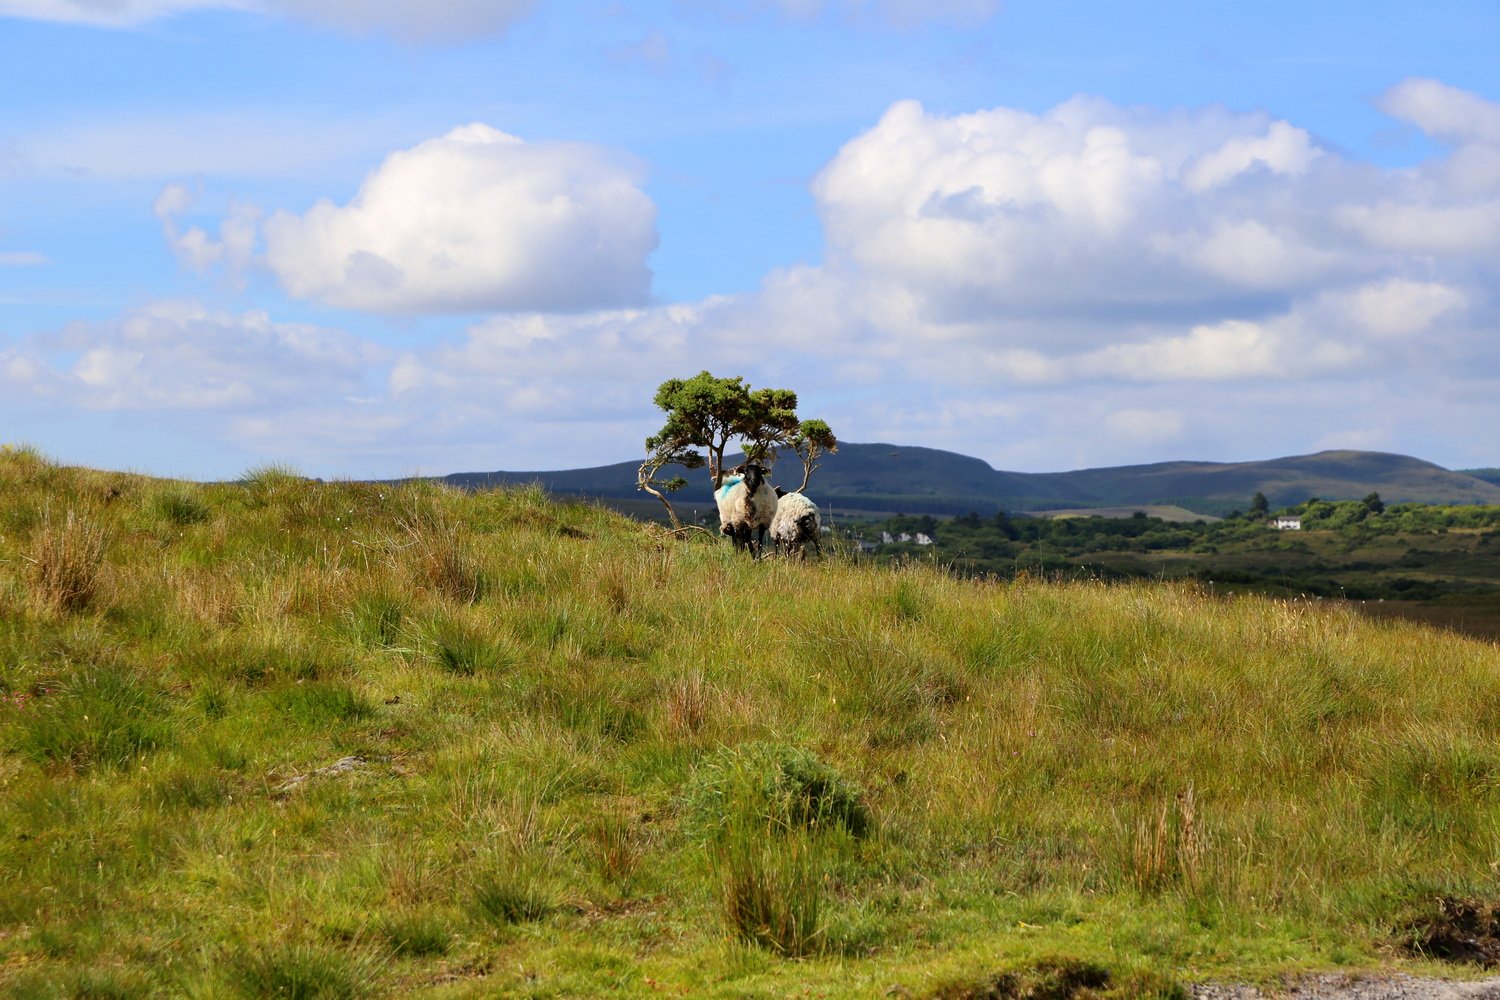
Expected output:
(891, 478)
(279, 737)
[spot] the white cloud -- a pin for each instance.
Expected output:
(23, 258)
(108, 13)
(436, 20)
(475, 220)
(1443, 111)
(1398, 307)
(1283, 149)
(1427, 227)
(234, 248)
(174, 356)
(1088, 286)
(1088, 206)
(441, 21)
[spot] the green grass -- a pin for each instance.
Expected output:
(597, 760)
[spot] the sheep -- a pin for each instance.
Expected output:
(796, 523)
(747, 503)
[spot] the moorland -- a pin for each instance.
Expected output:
(282, 737)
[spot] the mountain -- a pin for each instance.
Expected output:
(913, 480)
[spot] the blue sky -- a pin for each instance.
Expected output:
(376, 237)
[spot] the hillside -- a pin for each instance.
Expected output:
(891, 478)
(280, 737)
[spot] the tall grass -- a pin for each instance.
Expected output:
(66, 561)
(594, 754)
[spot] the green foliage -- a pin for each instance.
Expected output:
(774, 784)
(1346, 549)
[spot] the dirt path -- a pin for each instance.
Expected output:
(1339, 987)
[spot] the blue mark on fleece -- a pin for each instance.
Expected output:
(730, 484)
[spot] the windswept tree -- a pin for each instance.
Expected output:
(811, 441)
(711, 413)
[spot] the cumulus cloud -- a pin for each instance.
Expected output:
(475, 220)
(234, 247)
(175, 356)
(437, 20)
(1088, 206)
(1443, 111)
(1087, 286)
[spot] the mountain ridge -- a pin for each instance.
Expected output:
(919, 480)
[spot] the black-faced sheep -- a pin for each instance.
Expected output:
(795, 525)
(747, 504)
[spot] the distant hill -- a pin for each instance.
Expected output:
(913, 480)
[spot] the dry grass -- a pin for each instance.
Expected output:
(1142, 776)
(66, 562)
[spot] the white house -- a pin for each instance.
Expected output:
(1288, 524)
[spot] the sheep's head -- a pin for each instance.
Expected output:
(754, 473)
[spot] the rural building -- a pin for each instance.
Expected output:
(1288, 524)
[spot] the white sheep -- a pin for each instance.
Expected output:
(796, 524)
(747, 503)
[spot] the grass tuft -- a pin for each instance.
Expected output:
(785, 786)
(66, 562)
(178, 506)
(305, 971)
(511, 894)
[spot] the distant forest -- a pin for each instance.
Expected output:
(1356, 549)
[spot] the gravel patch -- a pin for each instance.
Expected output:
(1342, 987)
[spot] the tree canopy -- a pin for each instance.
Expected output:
(708, 412)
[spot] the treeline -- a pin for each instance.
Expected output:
(1336, 546)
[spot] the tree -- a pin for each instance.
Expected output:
(1374, 504)
(811, 441)
(1259, 505)
(709, 412)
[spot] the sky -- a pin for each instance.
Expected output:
(377, 238)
